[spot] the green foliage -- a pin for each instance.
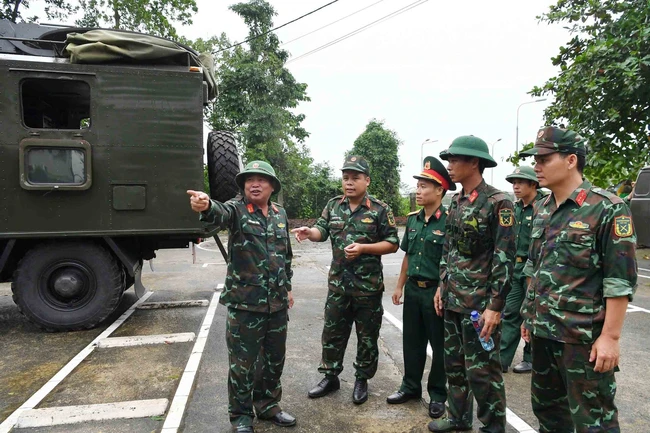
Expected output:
(318, 189)
(206, 178)
(602, 89)
(153, 17)
(380, 146)
(54, 10)
(516, 159)
(257, 98)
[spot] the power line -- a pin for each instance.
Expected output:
(276, 28)
(333, 22)
(359, 30)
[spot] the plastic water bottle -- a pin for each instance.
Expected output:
(487, 345)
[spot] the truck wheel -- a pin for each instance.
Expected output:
(224, 164)
(67, 286)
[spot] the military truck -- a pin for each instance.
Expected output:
(101, 134)
(640, 207)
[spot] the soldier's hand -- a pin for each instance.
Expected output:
(290, 299)
(353, 251)
(397, 296)
(301, 233)
(525, 334)
(605, 351)
(437, 301)
(491, 320)
(199, 201)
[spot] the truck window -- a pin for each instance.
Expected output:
(55, 166)
(642, 186)
(55, 104)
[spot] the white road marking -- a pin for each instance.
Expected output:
(146, 340)
(642, 276)
(52, 416)
(174, 304)
(202, 247)
(205, 265)
(633, 309)
(35, 399)
(177, 409)
(642, 269)
(517, 423)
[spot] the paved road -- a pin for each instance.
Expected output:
(30, 358)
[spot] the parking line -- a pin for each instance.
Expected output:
(517, 423)
(36, 398)
(177, 408)
(145, 340)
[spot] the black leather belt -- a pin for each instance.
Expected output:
(424, 283)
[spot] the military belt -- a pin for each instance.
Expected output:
(424, 283)
(521, 259)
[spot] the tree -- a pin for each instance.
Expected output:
(379, 146)
(155, 17)
(54, 10)
(602, 89)
(257, 100)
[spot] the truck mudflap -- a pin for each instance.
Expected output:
(5, 253)
(139, 288)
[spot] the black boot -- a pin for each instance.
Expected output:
(325, 386)
(360, 393)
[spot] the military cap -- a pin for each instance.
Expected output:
(434, 171)
(468, 145)
(356, 163)
(258, 167)
(525, 172)
(551, 139)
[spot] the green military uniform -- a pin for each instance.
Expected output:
(510, 326)
(355, 286)
(582, 252)
(423, 242)
(476, 271)
(256, 294)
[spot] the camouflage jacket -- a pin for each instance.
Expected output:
(581, 252)
(259, 247)
(423, 243)
(371, 222)
(479, 250)
(524, 224)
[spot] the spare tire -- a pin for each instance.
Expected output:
(224, 163)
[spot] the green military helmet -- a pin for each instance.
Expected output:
(356, 163)
(551, 139)
(468, 145)
(258, 167)
(525, 172)
(435, 171)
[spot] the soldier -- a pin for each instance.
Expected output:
(582, 272)
(257, 293)
(362, 229)
(475, 273)
(526, 189)
(418, 282)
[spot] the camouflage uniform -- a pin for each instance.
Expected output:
(581, 252)
(477, 266)
(423, 243)
(256, 294)
(355, 286)
(510, 326)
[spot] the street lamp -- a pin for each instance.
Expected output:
(492, 170)
(523, 103)
(422, 150)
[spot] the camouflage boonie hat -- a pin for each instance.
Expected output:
(356, 163)
(435, 171)
(258, 167)
(468, 145)
(551, 139)
(525, 172)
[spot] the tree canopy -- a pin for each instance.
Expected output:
(602, 89)
(12, 10)
(380, 146)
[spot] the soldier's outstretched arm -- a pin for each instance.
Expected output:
(213, 213)
(310, 233)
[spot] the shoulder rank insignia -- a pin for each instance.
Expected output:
(367, 220)
(473, 196)
(582, 195)
(505, 218)
(415, 212)
(623, 227)
(391, 219)
(578, 225)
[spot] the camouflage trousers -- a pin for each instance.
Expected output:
(567, 395)
(473, 372)
(256, 347)
(341, 311)
(421, 326)
(512, 320)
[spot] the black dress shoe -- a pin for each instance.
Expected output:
(325, 386)
(245, 429)
(436, 409)
(282, 418)
(400, 397)
(522, 367)
(360, 393)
